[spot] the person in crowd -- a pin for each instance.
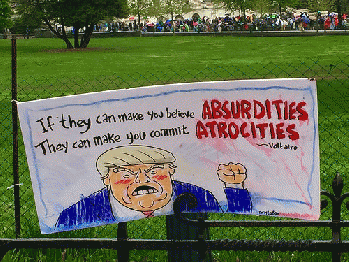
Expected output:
(327, 23)
(238, 23)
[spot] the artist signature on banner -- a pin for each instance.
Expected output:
(278, 145)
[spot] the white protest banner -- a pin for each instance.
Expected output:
(247, 147)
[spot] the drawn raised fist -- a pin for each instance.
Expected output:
(232, 173)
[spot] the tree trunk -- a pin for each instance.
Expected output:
(339, 11)
(76, 37)
(242, 9)
(280, 10)
(63, 37)
(139, 21)
(86, 37)
(66, 40)
(173, 24)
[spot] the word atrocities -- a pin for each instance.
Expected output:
(219, 119)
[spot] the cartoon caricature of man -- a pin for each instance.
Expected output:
(139, 181)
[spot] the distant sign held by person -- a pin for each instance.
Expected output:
(247, 147)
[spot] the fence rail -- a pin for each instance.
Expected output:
(202, 245)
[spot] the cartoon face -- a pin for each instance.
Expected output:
(231, 173)
(143, 187)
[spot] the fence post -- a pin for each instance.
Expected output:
(179, 230)
(15, 136)
(337, 186)
(123, 252)
(337, 199)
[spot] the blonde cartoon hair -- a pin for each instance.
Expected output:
(132, 155)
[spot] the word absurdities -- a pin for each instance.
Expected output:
(227, 119)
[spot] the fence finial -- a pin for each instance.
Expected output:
(185, 201)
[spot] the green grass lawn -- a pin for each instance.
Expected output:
(45, 70)
(122, 56)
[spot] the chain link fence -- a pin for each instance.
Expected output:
(333, 103)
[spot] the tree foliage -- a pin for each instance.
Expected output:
(262, 6)
(5, 15)
(177, 7)
(156, 8)
(280, 5)
(139, 8)
(321, 5)
(241, 5)
(81, 14)
(25, 23)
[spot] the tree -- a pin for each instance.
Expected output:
(282, 4)
(177, 7)
(156, 8)
(81, 14)
(262, 6)
(5, 15)
(26, 23)
(139, 8)
(341, 6)
(241, 5)
(321, 5)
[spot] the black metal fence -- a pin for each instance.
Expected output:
(182, 247)
(183, 237)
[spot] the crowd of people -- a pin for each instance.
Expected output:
(238, 23)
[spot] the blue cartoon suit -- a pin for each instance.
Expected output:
(96, 209)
